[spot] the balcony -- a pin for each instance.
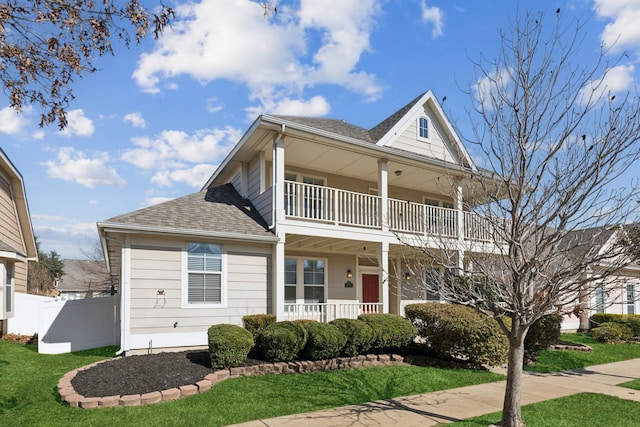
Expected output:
(346, 208)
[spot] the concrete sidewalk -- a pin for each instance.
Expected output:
(447, 406)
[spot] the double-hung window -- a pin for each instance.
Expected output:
(631, 299)
(423, 128)
(204, 273)
(314, 278)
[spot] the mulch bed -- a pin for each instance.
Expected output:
(143, 374)
(22, 339)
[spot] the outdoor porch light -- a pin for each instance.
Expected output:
(407, 276)
(349, 273)
(398, 172)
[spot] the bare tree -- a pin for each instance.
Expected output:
(556, 138)
(45, 44)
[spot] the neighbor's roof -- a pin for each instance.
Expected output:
(219, 210)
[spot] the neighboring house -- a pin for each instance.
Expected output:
(17, 242)
(302, 220)
(85, 279)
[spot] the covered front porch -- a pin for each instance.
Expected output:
(330, 278)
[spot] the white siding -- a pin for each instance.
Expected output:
(439, 146)
(156, 291)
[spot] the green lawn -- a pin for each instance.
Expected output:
(553, 361)
(579, 410)
(28, 392)
(634, 384)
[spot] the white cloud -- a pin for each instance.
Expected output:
(78, 124)
(193, 177)
(135, 119)
(618, 79)
(213, 105)
(38, 135)
(318, 43)
(67, 236)
(175, 149)
(75, 166)
(11, 122)
(434, 16)
(624, 32)
(314, 107)
(489, 86)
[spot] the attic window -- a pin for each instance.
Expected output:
(423, 128)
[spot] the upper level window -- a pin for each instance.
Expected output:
(204, 273)
(423, 128)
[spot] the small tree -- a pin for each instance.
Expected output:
(555, 138)
(41, 275)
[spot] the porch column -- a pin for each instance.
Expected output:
(460, 223)
(278, 279)
(278, 179)
(383, 192)
(399, 285)
(384, 275)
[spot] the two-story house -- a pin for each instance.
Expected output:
(302, 219)
(17, 242)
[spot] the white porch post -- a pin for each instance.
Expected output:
(278, 255)
(399, 285)
(460, 224)
(383, 191)
(384, 275)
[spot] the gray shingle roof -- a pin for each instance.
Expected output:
(218, 209)
(340, 127)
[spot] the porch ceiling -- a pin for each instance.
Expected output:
(361, 248)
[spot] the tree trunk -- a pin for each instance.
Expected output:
(511, 413)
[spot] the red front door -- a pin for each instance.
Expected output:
(370, 288)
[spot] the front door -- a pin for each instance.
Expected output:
(370, 288)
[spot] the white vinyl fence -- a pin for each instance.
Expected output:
(67, 325)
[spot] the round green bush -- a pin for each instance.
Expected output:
(391, 333)
(255, 323)
(282, 341)
(325, 341)
(359, 336)
(229, 345)
(605, 334)
(622, 332)
(544, 332)
(459, 332)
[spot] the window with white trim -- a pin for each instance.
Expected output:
(599, 307)
(314, 281)
(204, 273)
(631, 299)
(290, 280)
(423, 128)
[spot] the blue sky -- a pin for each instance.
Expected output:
(157, 119)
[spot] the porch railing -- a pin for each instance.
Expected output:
(326, 312)
(341, 207)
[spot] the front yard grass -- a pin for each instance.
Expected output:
(28, 392)
(578, 410)
(554, 361)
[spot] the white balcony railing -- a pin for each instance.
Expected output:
(326, 312)
(341, 207)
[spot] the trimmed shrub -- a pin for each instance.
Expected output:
(391, 333)
(325, 341)
(632, 320)
(255, 323)
(229, 345)
(605, 334)
(359, 336)
(459, 332)
(544, 332)
(623, 331)
(282, 341)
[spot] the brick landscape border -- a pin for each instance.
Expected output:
(69, 395)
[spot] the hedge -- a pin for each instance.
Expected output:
(611, 332)
(359, 336)
(282, 341)
(325, 341)
(391, 333)
(459, 332)
(255, 323)
(544, 332)
(632, 320)
(229, 345)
